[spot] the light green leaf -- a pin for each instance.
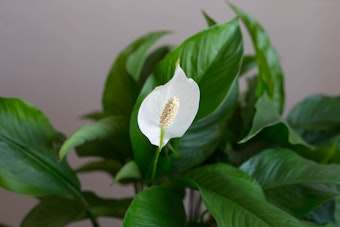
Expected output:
(154, 207)
(28, 160)
(270, 72)
(235, 199)
(112, 127)
(121, 87)
(292, 182)
(128, 171)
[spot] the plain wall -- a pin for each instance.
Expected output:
(56, 54)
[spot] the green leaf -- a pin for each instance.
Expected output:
(208, 19)
(267, 116)
(121, 88)
(235, 199)
(323, 213)
(270, 73)
(337, 211)
(108, 166)
(58, 212)
(317, 118)
(114, 128)
(215, 65)
(192, 149)
(292, 182)
(154, 207)
(28, 160)
(249, 63)
(128, 171)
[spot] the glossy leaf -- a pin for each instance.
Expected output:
(317, 118)
(191, 148)
(58, 212)
(292, 182)
(112, 127)
(215, 65)
(121, 87)
(154, 207)
(270, 72)
(28, 160)
(267, 116)
(235, 199)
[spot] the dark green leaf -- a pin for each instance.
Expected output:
(270, 73)
(154, 207)
(317, 118)
(324, 213)
(192, 149)
(266, 116)
(249, 63)
(292, 182)
(108, 166)
(97, 115)
(213, 58)
(112, 127)
(58, 212)
(215, 64)
(235, 199)
(121, 88)
(151, 62)
(28, 160)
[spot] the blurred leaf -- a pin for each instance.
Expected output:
(97, 115)
(121, 87)
(137, 58)
(215, 65)
(128, 171)
(317, 118)
(151, 62)
(108, 166)
(267, 116)
(337, 211)
(324, 213)
(28, 160)
(58, 212)
(249, 63)
(235, 199)
(210, 22)
(270, 73)
(156, 206)
(293, 183)
(112, 127)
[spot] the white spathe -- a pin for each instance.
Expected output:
(186, 91)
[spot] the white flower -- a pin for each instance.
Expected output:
(168, 111)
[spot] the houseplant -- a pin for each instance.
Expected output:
(240, 157)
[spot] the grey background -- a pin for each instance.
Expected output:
(56, 54)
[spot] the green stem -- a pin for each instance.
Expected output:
(88, 212)
(158, 151)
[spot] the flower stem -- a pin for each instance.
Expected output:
(158, 151)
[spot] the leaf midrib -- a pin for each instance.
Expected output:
(45, 165)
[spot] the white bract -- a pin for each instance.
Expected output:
(168, 111)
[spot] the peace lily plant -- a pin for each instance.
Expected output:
(176, 126)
